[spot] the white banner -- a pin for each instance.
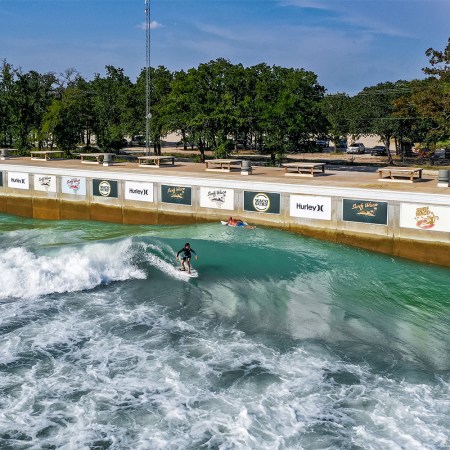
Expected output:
(425, 217)
(142, 192)
(73, 185)
(45, 183)
(18, 180)
(217, 198)
(310, 207)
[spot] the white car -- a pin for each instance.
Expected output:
(357, 147)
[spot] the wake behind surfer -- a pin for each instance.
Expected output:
(186, 256)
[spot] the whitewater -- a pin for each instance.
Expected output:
(282, 342)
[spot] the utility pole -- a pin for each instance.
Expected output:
(147, 78)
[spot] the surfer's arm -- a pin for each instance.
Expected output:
(194, 252)
(178, 254)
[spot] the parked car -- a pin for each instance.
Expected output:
(379, 150)
(324, 143)
(447, 153)
(357, 147)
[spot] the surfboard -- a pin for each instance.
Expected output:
(246, 225)
(193, 274)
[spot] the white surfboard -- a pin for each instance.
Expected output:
(193, 274)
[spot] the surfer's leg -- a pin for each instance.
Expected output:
(189, 264)
(182, 263)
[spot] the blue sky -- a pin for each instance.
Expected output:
(349, 44)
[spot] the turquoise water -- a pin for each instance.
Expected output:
(281, 342)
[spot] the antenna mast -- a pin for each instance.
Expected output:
(147, 77)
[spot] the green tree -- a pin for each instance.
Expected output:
(6, 100)
(111, 105)
(32, 95)
(65, 119)
(337, 110)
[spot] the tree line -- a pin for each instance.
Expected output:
(219, 106)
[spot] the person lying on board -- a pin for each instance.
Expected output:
(235, 222)
(186, 256)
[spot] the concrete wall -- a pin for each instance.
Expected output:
(410, 225)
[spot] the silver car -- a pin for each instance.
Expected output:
(357, 147)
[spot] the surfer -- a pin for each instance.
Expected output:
(235, 222)
(186, 256)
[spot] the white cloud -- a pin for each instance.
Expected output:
(153, 25)
(312, 4)
(375, 18)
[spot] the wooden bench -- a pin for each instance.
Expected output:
(97, 158)
(46, 155)
(397, 174)
(223, 165)
(156, 161)
(301, 169)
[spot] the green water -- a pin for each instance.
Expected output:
(281, 342)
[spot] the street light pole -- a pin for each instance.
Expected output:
(147, 77)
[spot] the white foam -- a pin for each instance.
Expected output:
(24, 274)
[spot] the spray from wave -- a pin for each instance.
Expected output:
(24, 274)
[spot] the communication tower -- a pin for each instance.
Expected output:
(147, 77)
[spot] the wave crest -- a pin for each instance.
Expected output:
(24, 274)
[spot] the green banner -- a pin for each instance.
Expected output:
(263, 202)
(180, 195)
(1, 179)
(364, 211)
(105, 188)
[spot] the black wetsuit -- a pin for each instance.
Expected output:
(186, 253)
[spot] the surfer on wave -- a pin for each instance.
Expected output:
(186, 256)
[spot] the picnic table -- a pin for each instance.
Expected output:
(156, 161)
(5, 152)
(46, 155)
(400, 174)
(97, 158)
(223, 165)
(302, 169)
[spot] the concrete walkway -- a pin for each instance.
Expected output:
(338, 176)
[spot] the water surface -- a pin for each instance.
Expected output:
(281, 342)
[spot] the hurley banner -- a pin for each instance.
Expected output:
(105, 188)
(18, 180)
(217, 198)
(262, 202)
(425, 217)
(180, 195)
(365, 211)
(142, 192)
(46, 183)
(310, 207)
(73, 185)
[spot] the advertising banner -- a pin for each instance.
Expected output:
(18, 180)
(180, 195)
(310, 207)
(142, 192)
(73, 185)
(1, 179)
(217, 198)
(425, 217)
(365, 211)
(105, 188)
(262, 202)
(46, 183)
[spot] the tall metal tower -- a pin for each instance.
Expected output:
(147, 78)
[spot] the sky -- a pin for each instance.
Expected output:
(349, 44)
